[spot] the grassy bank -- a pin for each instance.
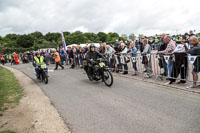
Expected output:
(8, 131)
(10, 90)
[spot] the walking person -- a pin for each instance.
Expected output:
(57, 60)
(2, 60)
(16, 58)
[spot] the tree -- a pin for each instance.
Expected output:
(53, 36)
(78, 38)
(25, 41)
(132, 36)
(186, 34)
(140, 36)
(91, 37)
(124, 36)
(37, 35)
(112, 37)
(66, 33)
(102, 36)
(1, 49)
(12, 37)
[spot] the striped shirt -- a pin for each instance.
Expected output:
(170, 47)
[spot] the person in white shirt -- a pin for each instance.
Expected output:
(124, 58)
(109, 51)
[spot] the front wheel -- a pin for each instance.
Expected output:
(108, 78)
(88, 75)
(45, 77)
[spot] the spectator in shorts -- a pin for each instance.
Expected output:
(195, 51)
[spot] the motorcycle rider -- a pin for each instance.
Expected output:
(38, 61)
(91, 57)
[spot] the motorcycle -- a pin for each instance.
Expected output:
(99, 71)
(43, 73)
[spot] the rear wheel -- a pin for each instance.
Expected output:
(108, 78)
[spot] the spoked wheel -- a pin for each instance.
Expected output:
(108, 78)
(89, 76)
(45, 77)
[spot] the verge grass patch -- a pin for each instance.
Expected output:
(10, 90)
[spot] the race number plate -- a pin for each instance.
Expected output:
(101, 64)
(43, 66)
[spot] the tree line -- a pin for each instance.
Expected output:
(37, 40)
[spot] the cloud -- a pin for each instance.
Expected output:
(121, 16)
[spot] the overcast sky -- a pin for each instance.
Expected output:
(148, 17)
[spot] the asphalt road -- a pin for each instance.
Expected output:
(129, 106)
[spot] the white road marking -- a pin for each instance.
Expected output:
(33, 69)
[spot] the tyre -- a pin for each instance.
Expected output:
(45, 77)
(108, 78)
(88, 75)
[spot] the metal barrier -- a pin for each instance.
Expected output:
(155, 65)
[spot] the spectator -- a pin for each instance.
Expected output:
(146, 59)
(102, 48)
(67, 55)
(195, 51)
(181, 62)
(170, 48)
(118, 51)
(109, 51)
(124, 57)
(191, 35)
(133, 53)
(81, 57)
(162, 62)
(156, 41)
(141, 46)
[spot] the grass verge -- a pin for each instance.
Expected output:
(10, 90)
(8, 131)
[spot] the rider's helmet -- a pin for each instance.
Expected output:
(37, 53)
(92, 46)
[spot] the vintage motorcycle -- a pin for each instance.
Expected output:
(97, 70)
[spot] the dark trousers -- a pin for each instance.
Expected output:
(125, 68)
(176, 71)
(58, 64)
(2, 62)
(119, 66)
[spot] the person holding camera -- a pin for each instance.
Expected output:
(180, 64)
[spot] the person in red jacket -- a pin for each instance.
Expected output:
(2, 59)
(16, 58)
